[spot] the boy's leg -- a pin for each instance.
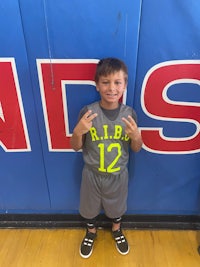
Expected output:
(116, 223)
(91, 226)
(121, 241)
(86, 247)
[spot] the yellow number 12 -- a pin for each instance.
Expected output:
(111, 168)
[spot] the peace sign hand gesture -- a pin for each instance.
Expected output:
(85, 123)
(131, 127)
(133, 133)
(82, 127)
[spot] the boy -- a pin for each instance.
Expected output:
(104, 132)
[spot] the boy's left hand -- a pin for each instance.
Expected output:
(131, 127)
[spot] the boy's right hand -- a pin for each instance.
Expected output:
(85, 123)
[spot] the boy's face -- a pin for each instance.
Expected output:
(111, 89)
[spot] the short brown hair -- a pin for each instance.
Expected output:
(108, 66)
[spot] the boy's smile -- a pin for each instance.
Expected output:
(111, 89)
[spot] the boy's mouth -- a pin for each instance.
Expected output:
(112, 95)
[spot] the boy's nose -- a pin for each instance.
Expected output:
(112, 86)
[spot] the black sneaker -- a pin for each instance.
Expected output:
(121, 242)
(86, 247)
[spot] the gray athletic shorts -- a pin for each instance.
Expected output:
(103, 192)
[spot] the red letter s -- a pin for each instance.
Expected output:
(157, 105)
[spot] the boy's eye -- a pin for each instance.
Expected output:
(105, 82)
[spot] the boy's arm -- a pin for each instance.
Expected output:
(82, 127)
(133, 133)
(76, 140)
(136, 142)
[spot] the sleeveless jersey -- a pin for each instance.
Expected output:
(106, 146)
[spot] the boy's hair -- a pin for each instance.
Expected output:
(107, 66)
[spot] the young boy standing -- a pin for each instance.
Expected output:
(105, 131)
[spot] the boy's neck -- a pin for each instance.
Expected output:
(109, 106)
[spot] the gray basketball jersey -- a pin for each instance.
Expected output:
(106, 146)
